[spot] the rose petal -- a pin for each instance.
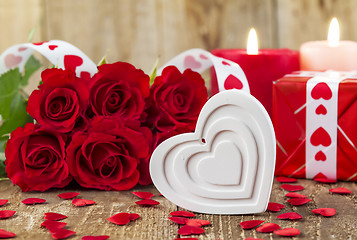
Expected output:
(6, 214)
(268, 227)
(295, 195)
(326, 212)
(54, 216)
(30, 201)
(123, 218)
(287, 232)
(61, 233)
(286, 179)
(290, 216)
(101, 237)
(82, 202)
(3, 202)
(68, 195)
(133, 216)
(340, 190)
(292, 188)
(6, 234)
(53, 225)
(275, 207)
(178, 220)
(299, 201)
(251, 224)
(143, 195)
(182, 214)
(147, 202)
(189, 230)
(197, 222)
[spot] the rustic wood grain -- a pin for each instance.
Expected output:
(154, 222)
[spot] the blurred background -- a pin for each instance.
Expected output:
(138, 31)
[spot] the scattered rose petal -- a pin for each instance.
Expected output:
(295, 195)
(299, 201)
(6, 214)
(53, 225)
(101, 237)
(123, 218)
(268, 227)
(147, 202)
(61, 233)
(292, 188)
(189, 230)
(197, 222)
(286, 179)
(182, 214)
(143, 195)
(287, 232)
(251, 224)
(68, 195)
(6, 234)
(290, 216)
(82, 202)
(187, 238)
(3, 202)
(54, 216)
(326, 212)
(30, 201)
(275, 207)
(340, 190)
(178, 220)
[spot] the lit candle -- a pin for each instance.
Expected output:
(261, 66)
(331, 54)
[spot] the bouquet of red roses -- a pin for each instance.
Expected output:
(100, 131)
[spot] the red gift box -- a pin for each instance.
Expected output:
(289, 119)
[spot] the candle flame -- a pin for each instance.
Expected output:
(333, 36)
(252, 45)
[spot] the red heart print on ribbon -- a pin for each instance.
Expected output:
(320, 136)
(190, 62)
(12, 61)
(321, 90)
(52, 47)
(321, 110)
(233, 82)
(320, 156)
(72, 61)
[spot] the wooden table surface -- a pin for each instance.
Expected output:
(154, 223)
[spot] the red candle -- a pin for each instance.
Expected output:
(261, 69)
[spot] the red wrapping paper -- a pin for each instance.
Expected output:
(289, 120)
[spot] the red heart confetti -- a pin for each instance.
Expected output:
(290, 216)
(197, 222)
(12, 61)
(143, 195)
(82, 202)
(287, 232)
(179, 220)
(6, 214)
(61, 233)
(299, 201)
(182, 214)
(321, 90)
(340, 190)
(320, 137)
(123, 218)
(101, 237)
(326, 212)
(292, 188)
(147, 202)
(250, 224)
(286, 179)
(189, 230)
(71, 62)
(268, 227)
(295, 195)
(190, 62)
(320, 156)
(275, 207)
(52, 225)
(321, 110)
(54, 216)
(52, 47)
(6, 234)
(39, 43)
(68, 195)
(226, 63)
(30, 201)
(232, 82)
(3, 202)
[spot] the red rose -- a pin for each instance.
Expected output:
(60, 100)
(119, 89)
(107, 156)
(35, 159)
(176, 100)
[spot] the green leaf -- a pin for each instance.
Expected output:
(154, 72)
(2, 170)
(102, 61)
(31, 33)
(31, 66)
(9, 88)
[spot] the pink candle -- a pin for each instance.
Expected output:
(331, 54)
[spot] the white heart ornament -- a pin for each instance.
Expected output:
(227, 165)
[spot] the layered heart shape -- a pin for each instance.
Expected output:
(231, 171)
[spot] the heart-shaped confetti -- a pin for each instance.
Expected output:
(275, 207)
(320, 137)
(287, 232)
(320, 156)
(290, 216)
(179, 220)
(147, 202)
(340, 190)
(101, 237)
(250, 224)
(54, 216)
(189, 230)
(321, 110)
(123, 218)
(321, 90)
(68, 195)
(182, 214)
(6, 234)
(61, 233)
(31, 201)
(52, 225)
(292, 188)
(143, 195)
(3, 202)
(6, 214)
(326, 212)
(268, 227)
(295, 195)
(197, 222)
(82, 202)
(286, 179)
(233, 82)
(299, 201)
